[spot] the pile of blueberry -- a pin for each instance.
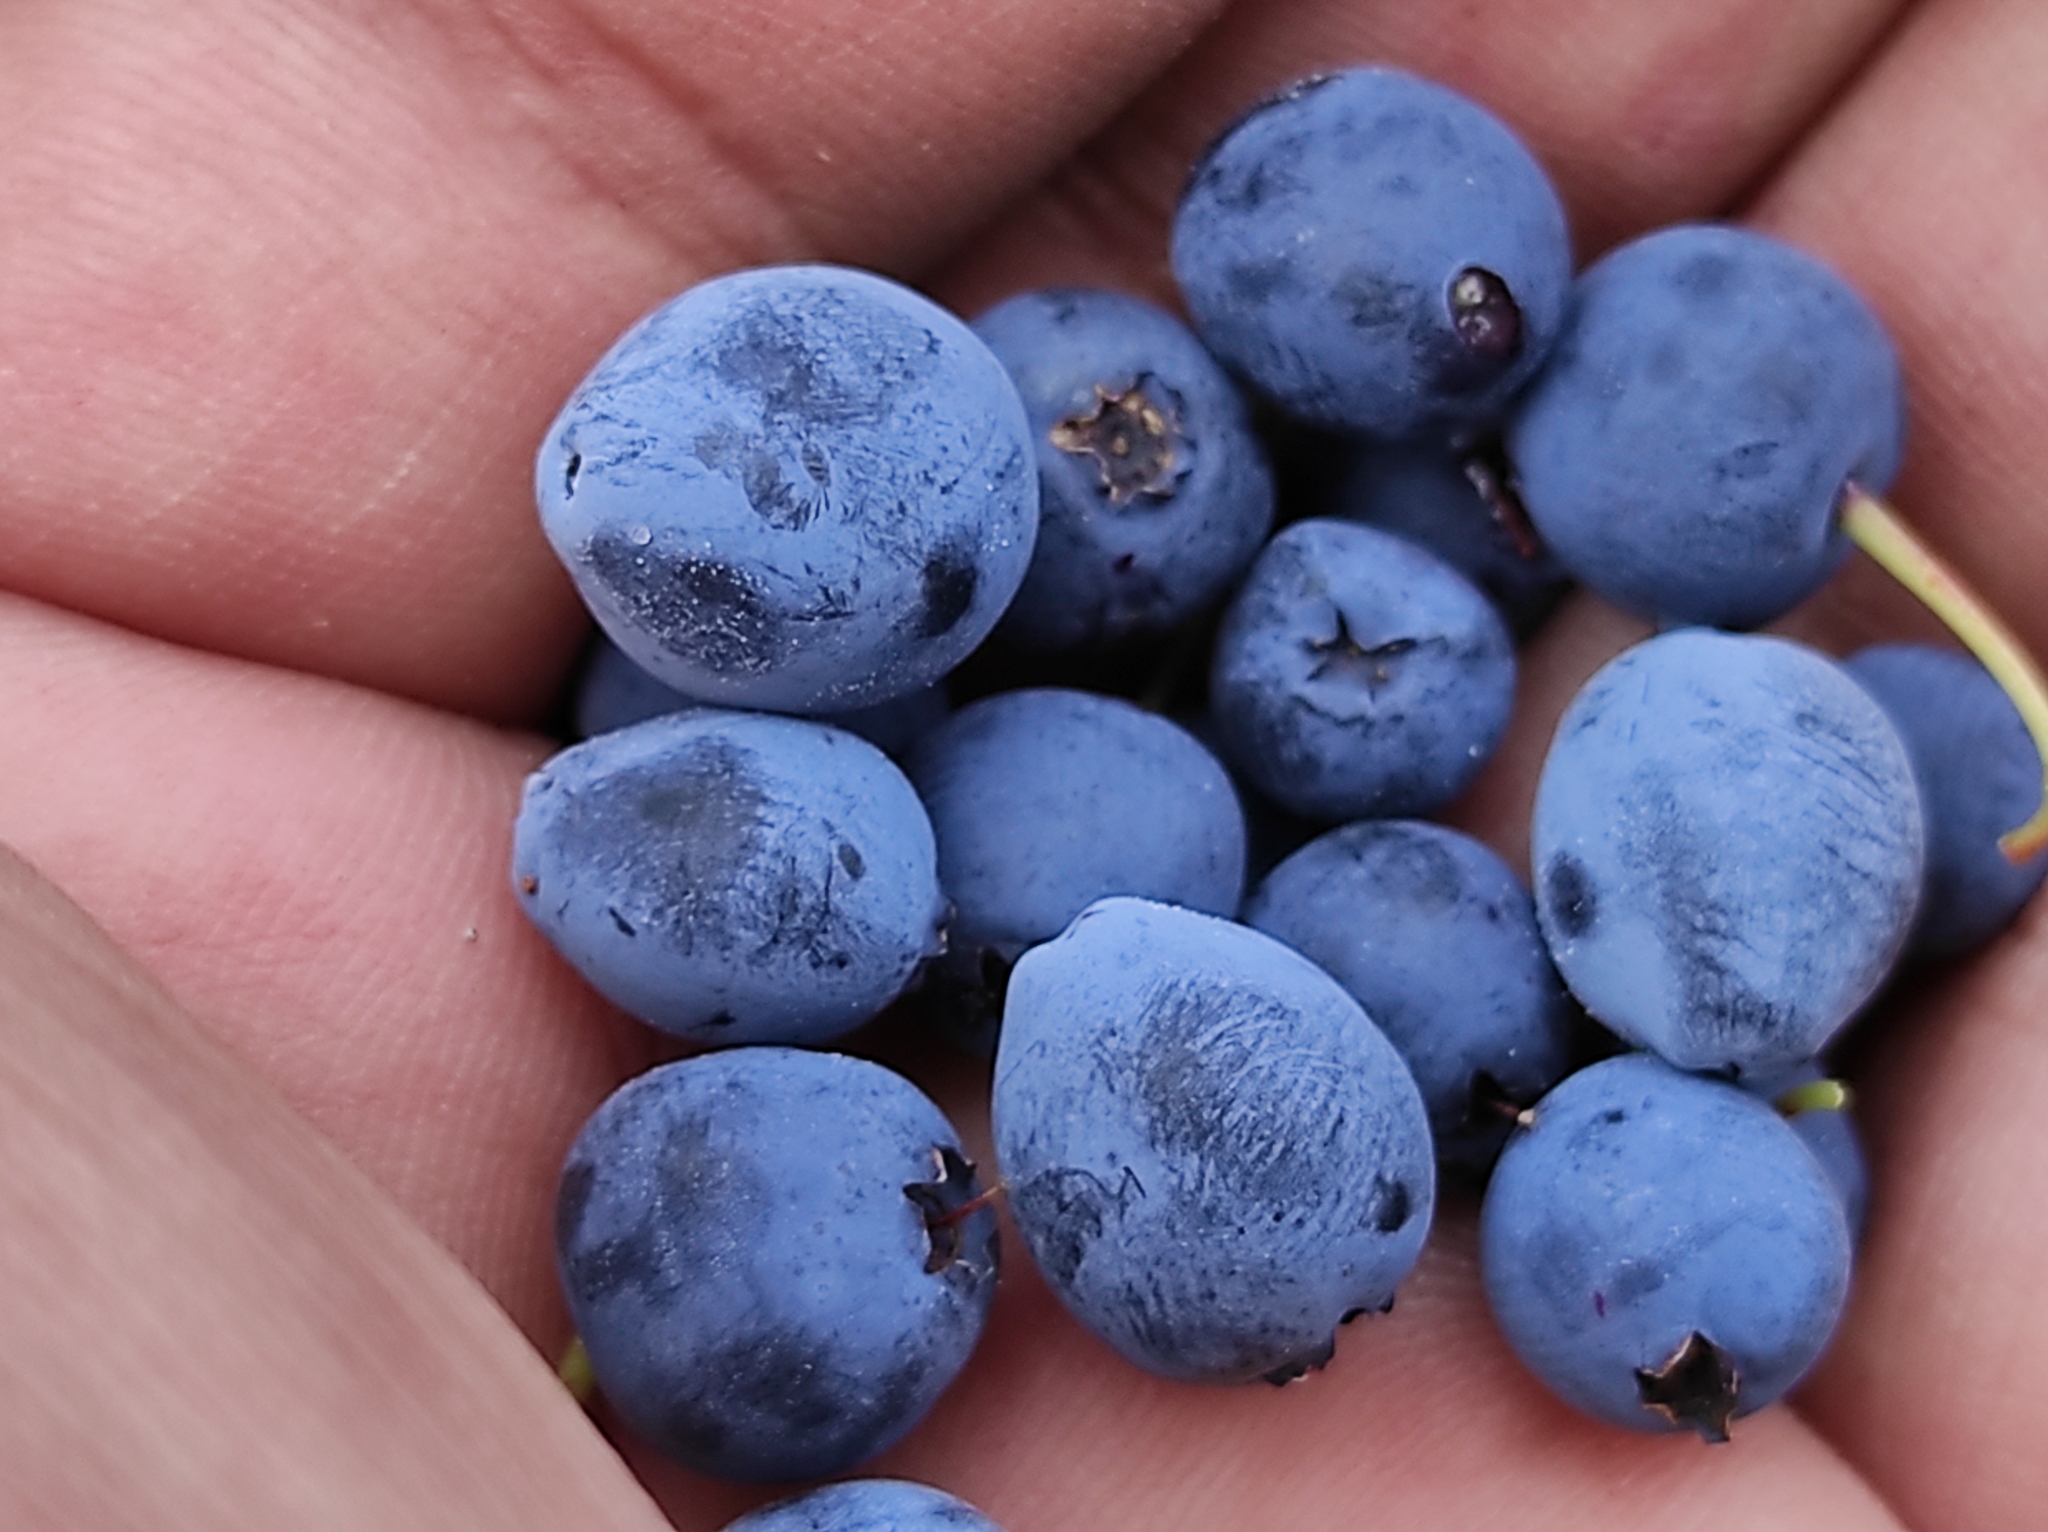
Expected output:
(959, 671)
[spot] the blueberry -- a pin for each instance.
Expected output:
(1685, 449)
(1829, 1132)
(766, 1255)
(1979, 775)
(1436, 937)
(800, 488)
(1462, 506)
(1727, 849)
(1358, 675)
(613, 692)
(1213, 1155)
(1043, 801)
(1661, 1250)
(868, 1505)
(1376, 253)
(1154, 489)
(732, 877)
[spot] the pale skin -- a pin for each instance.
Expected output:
(288, 291)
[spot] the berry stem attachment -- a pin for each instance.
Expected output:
(576, 1373)
(1813, 1096)
(1877, 529)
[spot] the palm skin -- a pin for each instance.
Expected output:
(288, 293)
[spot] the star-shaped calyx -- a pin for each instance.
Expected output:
(1697, 1386)
(1136, 442)
(1371, 665)
(945, 1202)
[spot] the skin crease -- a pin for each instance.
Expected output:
(287, 293)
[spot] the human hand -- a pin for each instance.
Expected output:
(287, 295)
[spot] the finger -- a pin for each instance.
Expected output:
(288, 292)
(212, 1320)
(1926, 190)
(322, 873)
(1643, 114)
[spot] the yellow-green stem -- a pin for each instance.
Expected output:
(1875, 528)
(575, 1371)
(1813, 1096)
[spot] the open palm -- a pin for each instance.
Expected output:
(288, 292)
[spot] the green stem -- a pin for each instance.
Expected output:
(1875, 528)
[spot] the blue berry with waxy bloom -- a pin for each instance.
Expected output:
(1661, 1249)
(732, 877)
(1979, 776)
(1357, 675)
(776, 1259)
(1043, 801)
(800, 488)
(1154, 492)
(1375, 253)
(1436, 937)
(868, 1505)
(1213, 1154)
(1818, 1109)
(1727, 848)
(613, 692)
(1684, 451)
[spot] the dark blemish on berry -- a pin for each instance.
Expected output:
(1704, 276)
(1374, 302)
(851, 860)
(1574, 907)
(569, 472)
(1391, 1205)
(529, 885)
(950, 581)
(722, 1019)
(1600, 1304)
(1614, 1116)
(1068, 1207)
(707, 612)
(624, 925)
(1123, 562)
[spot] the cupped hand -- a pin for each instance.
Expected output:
(288, 292)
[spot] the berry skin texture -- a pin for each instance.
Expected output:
(868, 1505)
(1661, 1250)
(1727, 849)
(797, 488)
(1436, 937)
(1154, 490)
(1979, 775)
(1045, 800)
(1357, 675)
(1375, 253)
(1213, 1155)
(1684, 450)
(731, 877)
(754, 1248)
